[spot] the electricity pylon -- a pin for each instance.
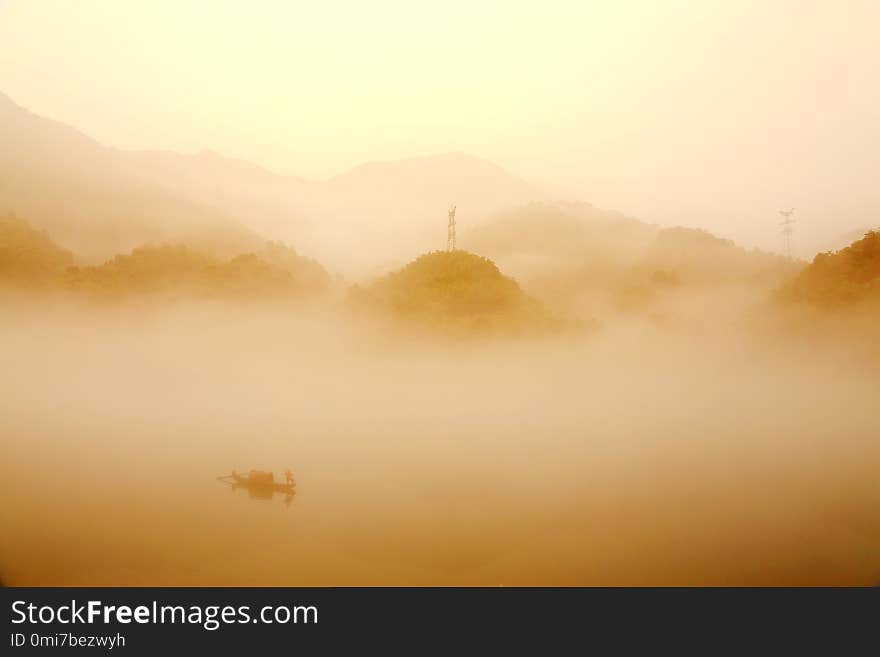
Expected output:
(450, 231)
(787, 224)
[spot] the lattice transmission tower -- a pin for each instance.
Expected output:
(787, 225)
(450, 231)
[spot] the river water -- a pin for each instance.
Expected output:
(624, 457)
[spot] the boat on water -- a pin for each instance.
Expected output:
(261, 482)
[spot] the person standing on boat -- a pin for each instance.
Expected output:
(289, 476)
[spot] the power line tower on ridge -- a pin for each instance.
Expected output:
(450, 231)
(787, 225)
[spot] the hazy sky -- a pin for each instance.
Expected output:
(705, 112)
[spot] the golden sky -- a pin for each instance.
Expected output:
(666, 108)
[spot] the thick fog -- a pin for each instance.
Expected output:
(641, 452)
(536, 294)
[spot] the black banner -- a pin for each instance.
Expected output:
(413, 620)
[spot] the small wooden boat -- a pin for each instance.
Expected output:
(257, 481)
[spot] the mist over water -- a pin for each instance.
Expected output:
(639, 453)
(601, 310)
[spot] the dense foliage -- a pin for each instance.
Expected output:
(177, 268)
(846, 277)
(28, 256)
(458, 291)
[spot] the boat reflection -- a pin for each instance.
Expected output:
(262, 485)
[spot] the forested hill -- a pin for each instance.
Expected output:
(29, 258)
(27, 255)
(455, 291)
(843, 278)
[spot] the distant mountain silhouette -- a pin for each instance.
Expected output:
(552, 235)
(431, 183)
(699, 257)
(99, 201)
(577, 257)
(93, 199)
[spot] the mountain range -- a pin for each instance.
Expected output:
(98, 201)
